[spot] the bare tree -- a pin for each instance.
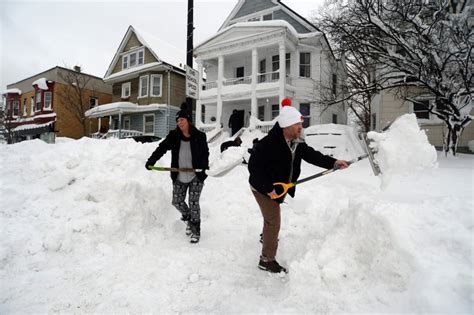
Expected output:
(6, 126)
(74, 96)
(425, 44)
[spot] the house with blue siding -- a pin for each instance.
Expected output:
(148, 85)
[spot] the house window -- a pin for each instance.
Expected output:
(16, 108)
(334, 83)
(262, 68)
(38, 101)
(149, 124)
(48, 96)
(239, 72)
(268, 17)
(305, 111)
(305, 65)
(261, 113)
(126, 90)
(125, 62)
(32, 105)
(126, 123)
(133, 60)
(257, 18)
(275, 67)
(144, 86)
(275, 111)
(25, 107)
(288, 63)
(93, 102)
(334, 118)
(420, 109)
(156, 85)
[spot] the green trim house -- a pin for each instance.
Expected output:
(148, 85)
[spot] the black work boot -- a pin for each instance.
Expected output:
(271, 266)
(195, 231)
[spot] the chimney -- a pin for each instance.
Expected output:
(77, 68)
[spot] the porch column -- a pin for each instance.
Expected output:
(282, 72)
(220, 83)
(99, 125)
(198, 101)
(253, 103)
(120, 125)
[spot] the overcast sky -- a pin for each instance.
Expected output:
(38, 35)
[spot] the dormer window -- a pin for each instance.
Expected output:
(133, 59)
(267, 17)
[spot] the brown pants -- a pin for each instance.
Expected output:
(271, 225)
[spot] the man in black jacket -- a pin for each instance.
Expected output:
(189, 150)
(277, 158)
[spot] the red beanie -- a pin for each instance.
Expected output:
(286, 102)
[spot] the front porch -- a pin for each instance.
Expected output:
(127, 119)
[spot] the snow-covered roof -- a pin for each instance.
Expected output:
(13, 91)
(32, 126)
(41, 83)
(132, 70)
(122, 107)
(163, 52)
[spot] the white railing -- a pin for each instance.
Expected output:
(265, 126)
(123, 133)
(268, 77)
(235, 81)
(97, 135)
(209, 85)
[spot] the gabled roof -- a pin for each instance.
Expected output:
(264, 26)
(272, 5)
(164, 52)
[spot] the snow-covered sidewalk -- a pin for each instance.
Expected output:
(85, 228)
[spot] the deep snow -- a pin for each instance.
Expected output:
(85, 228)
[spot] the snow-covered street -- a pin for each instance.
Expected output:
(85, 228)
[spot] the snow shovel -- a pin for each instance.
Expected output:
(175, 169)
(284, 186)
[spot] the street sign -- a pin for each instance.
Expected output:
(192, 82)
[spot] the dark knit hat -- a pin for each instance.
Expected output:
(184, 113)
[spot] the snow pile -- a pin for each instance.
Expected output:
(402, 149)
(85, 228)
(41, 83)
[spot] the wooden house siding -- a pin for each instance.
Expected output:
(254, 6)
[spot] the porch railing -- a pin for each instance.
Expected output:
(209, 85)
(268, 77)
(236, 81)
(265, 126)
(114, 133)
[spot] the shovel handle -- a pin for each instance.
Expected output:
(284, 187)
(173, 169)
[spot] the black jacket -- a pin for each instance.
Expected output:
(270, 162)
(199, 151)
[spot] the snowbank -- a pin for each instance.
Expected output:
(402, 149)
(85, 228)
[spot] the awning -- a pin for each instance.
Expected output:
(116, 108)
(33, 129)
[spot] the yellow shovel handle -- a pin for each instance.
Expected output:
(285, 188)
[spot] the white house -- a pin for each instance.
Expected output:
(243, 71)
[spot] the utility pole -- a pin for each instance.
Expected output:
(189, 46)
